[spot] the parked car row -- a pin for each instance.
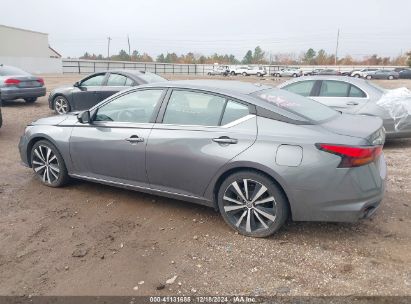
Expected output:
(238, 70)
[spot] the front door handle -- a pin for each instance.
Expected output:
(352, 103)
(133, 139)
(225, 140)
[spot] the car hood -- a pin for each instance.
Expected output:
(361, 126)
(67, 119)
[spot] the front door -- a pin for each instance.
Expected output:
(199, 133)
(88, 92)
(113, 146)
(115, 83)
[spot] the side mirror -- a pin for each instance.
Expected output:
(84, 117)
(76, 84)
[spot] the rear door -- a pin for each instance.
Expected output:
(196, 133)
(88, 93)
(115, 83)
(340, 95)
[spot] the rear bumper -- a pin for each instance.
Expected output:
(355, 196)
(16, 93)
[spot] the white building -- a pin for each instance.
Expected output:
(28, 50)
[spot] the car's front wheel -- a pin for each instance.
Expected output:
(390, 77)
(30, 99)
(294, 75)
(244, 74)
(61, 105)
(369, 77)
(48, 164)
(233, 73)
(252, 204)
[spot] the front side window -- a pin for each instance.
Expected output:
(134, 107)
(301, 88)
(330, 88)
(194, 108)
(93, 81)
(117, 80)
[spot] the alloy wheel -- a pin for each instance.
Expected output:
(249, 205)
(45, 164)
(61, 105)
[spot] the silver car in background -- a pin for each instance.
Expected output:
(288, 73)
(348, 95)
(255, 153)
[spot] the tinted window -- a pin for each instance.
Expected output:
(192, 108)
(135, 107)
(11, 71)
(234, 111)
(93, 81)
(331, 88)
(117, 80)
(301, 88)
(303, 107)
(356, 92)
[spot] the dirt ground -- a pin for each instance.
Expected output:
(91, 239)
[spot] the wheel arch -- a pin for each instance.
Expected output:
(36, 139)
(246, 167)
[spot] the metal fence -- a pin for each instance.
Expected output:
(80, 66)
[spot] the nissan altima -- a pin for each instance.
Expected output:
(257, 154)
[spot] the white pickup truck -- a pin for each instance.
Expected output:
(248, 70)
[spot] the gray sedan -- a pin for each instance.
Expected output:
(382, 74)
(349, 95)
(18, 84)
(255, 153)
(96, 87)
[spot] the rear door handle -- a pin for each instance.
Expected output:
(225, 140)
(352, 103)
(133, 139)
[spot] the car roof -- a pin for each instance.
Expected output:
(353, 80)
(218, 86)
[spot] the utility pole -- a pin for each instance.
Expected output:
(336, 48)
(129, 49)
(108, 47)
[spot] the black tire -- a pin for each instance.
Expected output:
(233, 73)
(54, 174)
(209, 73)
(390, 77)
(368, 77)
(356, 76)
(294, 75)
(247, 214)
(259, 74)
(30, 100)
(59, 109)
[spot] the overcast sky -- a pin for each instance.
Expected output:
(222, 26)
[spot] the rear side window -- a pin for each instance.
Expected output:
(330, 88)
(356, 92)
(301, 88)
(117, 80)
(234, 111)
(194, 108)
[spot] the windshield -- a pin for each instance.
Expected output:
(302, 106)
(151, 77)
(11, 71)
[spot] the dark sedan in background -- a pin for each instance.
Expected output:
(96, 87)
(18, 84)
(405, 74)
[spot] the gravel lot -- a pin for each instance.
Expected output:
(90, 239)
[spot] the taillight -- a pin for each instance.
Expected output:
(352, 156)
(41, 80)
(11, 81)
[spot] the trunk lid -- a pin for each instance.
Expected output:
(360, 126)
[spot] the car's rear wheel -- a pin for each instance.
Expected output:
(209, 73)
(259, 74)
(369, 77)
(233, 73)
(244, 74)
(30, 99)
(252, 204)
(61, 105)
(390, 77)
(294, 75)
(48, 164)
